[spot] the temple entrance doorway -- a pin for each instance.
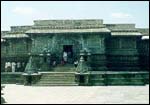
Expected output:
(69, 51)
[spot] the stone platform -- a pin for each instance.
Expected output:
(118, 78)
(92, 78)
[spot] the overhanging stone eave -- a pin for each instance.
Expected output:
(63, 32)
(145, 38)
(16, 37)
(66, 33)
(126, 35)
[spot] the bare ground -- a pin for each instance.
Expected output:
(19, 94)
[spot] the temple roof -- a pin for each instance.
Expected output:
(74, 26)
(68, 23)
(144, 31)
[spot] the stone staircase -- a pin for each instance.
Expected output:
(57, 79)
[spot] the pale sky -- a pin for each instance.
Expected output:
(15, 13)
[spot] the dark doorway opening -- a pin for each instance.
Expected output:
(68, 48)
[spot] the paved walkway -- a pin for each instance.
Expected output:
(18, 94)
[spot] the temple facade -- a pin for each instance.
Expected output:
(75, 52)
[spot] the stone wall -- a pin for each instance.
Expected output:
(12, 78)
(122, 54)
(118, 78)
(16, 47)
(96, 45)
(55, 42)
(15, 51)
(143, 48)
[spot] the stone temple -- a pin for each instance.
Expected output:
(75, 52)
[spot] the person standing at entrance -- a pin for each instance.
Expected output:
(65, 56)
(13, 66)
(76, 63)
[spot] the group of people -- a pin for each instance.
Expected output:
(65, 58)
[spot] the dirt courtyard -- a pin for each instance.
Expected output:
(19, 94)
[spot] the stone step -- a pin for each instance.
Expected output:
(58, 74)
(57, 79)
(55, 73)
(61, 77)
(56, 82)
(63, 68)
(53, 77)
(98, 84)
(55, 85)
